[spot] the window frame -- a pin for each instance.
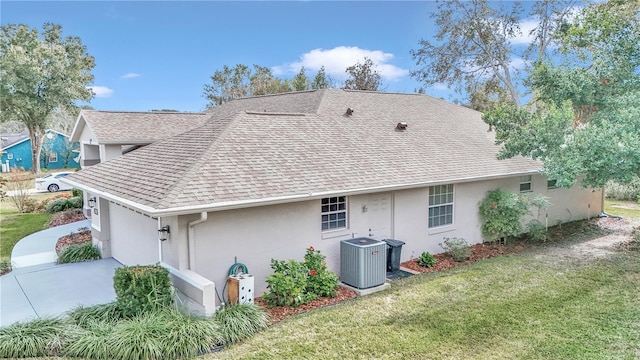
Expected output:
(341, 208)
(524, 180)
(55, 158)
(9, 156)
(552, 184)
(449, 190)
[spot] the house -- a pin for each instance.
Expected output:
(266, 177)
(105, 135)
(57, 151)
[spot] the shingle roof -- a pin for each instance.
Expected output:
(7, 140)
(250, 156)
(123, 127)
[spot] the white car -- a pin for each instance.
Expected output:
(52, 183)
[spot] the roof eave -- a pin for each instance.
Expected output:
(231, 205)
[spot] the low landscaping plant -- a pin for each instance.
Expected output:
(63, 204)
(501, 213)
(5, 266)
(457, 248)
(141, 289)
(295, 283)
(39, 337)
(536, 231)
(79, 253)
(427, 260)
(240, 321)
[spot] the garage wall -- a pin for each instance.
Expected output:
(133, 236)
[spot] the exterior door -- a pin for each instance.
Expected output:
(379, 210)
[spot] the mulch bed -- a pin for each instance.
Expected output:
(277, 313)
(66, 217)
(71, 239)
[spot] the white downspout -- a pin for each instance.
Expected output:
(160, 242)
(191, 240)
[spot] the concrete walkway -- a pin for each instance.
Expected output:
(39, 287)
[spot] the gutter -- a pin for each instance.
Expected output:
(191, 240)
(230, 205)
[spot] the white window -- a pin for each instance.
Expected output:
(440, 205)
(334, 213)
(525, 183)
(53, 157)
(10, 156)
(551, 184)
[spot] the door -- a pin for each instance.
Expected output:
(379, 210)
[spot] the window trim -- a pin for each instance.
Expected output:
(526, 179)
(440, 205)
(332, 212)
(551, 184)
(55, 159)
(9, 156)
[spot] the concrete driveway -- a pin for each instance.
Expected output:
(39, 287)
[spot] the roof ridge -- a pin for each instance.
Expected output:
(147, 112)
(191, 170)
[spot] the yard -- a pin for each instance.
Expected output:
(577, 298)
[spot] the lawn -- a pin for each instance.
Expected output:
(538, 304)
(14, 226)
(626, 209)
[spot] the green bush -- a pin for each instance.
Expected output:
(536, 231)
(142, 288)
(296, 283)
(240, 321)
(39, 337)
(64, 204)
(426, 260)
(79, 253)
(457, 248)
(287, 285)
(76, 203)
(76, 193)
(616, 191)
(501, 213)
(320, 281)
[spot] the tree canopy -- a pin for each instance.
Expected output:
(474, 47)
(41, 73)
(585, 119)
(363, 76)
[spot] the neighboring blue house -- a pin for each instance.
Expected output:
(57, 151)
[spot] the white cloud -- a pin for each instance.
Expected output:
(336, 61)
(130, 75)
(525, 37)
(517, 63)
(101, 91)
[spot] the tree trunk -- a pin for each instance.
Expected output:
(36, 135)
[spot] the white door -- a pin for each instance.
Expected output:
(379, 209)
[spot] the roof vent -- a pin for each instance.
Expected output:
(349, 111)
(401, 126)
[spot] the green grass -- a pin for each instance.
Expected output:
(629, 209)
(523, 306)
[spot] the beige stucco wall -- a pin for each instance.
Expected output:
(133, 236)
(109, 152)
(256, 235)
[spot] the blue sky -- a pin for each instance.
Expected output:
(159, 54)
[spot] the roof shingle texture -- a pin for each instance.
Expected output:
(123, 127)
(255, 155)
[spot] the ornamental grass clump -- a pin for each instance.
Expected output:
(39, 337)
(79, 253)
(240, 321)
(295, 283)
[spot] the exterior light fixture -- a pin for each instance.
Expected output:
(164, 232)
(92, 202)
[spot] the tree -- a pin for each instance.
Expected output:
(301, 82)
(322, 80)
(242, 81)
(40, 73)
(585, 122)
(474, 44)
(487, 96)
(363, 76)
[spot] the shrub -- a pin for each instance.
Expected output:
(142, 288)
(616, 191)
(287, 285)
(39, 337)
(76, 193)
(457, 248)
(296, 283)
(320, 281)
(79, 253)
(426, 260)
(62, 204)
(536, 231)
(5, 266)
(240, 321)
(501, 213)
